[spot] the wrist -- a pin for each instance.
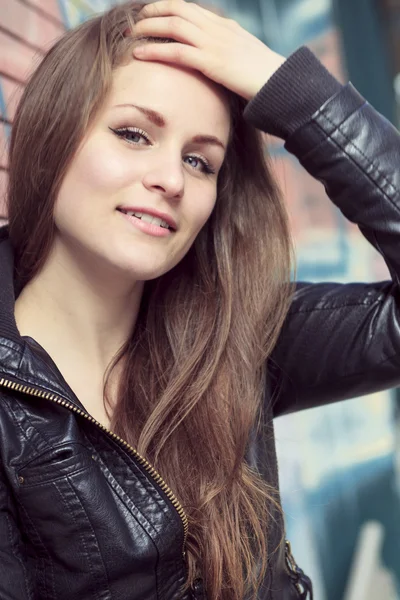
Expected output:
(292, 94)
(273, 63)
(276, 62)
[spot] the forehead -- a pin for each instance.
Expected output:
(184, 97)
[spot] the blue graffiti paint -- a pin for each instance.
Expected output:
(323, 269)
(63, 12)
(3, 108)
(3, 111)
(82, 10)
(326, 269)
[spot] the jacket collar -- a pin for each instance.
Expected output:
(8, 326)
(22, 359)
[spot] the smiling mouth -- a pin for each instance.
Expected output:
(147, 218)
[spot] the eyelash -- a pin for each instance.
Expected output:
(123, 131)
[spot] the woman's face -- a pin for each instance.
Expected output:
(153, 157)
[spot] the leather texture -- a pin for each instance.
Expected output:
(80, 517)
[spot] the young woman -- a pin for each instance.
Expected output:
(149, 332)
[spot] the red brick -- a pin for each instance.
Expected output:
(16, 59)
(28, 24)
(50, 7)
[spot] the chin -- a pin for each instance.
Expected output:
(142, 270)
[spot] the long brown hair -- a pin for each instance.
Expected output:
(194, 367)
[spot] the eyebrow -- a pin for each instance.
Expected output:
(157, 119)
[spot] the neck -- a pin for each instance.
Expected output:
(78, 311)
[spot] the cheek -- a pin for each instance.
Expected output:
(99, 168)
(91, 185)
(204, 208)
(198, 213)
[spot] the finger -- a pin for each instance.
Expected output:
(170, 27)
(216, 16)
(187, 10)
(179, 54)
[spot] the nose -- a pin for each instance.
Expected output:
(166, 177)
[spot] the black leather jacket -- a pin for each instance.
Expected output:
(82, 515)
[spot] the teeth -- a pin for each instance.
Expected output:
(148, 218)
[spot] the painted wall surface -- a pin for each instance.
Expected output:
(337, 463)
(28, 28)
(337, 467)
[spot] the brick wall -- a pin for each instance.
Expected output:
(27, 29)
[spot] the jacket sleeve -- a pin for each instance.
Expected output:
(15, 583)
(343, 340)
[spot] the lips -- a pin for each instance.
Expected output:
(160, 218)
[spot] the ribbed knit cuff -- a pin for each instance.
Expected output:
(292, 95)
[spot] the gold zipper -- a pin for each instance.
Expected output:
(140, 459)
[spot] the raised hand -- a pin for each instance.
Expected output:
(217, 47)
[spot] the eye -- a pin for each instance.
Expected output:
(206, 167)
(132, 135)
